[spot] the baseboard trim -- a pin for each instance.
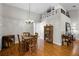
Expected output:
(57, 43)
(0, 49)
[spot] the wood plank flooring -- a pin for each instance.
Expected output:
(44, 49)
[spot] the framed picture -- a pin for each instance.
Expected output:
(68, 28)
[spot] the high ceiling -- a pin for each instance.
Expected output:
(42, 7)
(34, 7)
(70, 6)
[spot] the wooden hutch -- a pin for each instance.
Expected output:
(48, 33)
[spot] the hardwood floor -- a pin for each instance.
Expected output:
(44, 49)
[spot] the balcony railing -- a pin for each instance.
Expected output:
(53, 12)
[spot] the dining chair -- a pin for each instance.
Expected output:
(32, 45)
(36, 35)
(21, 46)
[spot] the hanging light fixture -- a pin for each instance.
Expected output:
(29, 19)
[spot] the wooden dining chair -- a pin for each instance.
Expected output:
(36, 35)
(32, 45)
(25, 41)
(27, 34)
(20, 47)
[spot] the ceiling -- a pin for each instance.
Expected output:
(70, 6)
(34, 7)
(42, 7)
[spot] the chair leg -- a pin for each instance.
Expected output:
(30, 50)
(62, 43)
(67, 43)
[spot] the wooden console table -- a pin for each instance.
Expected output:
(8, 41)
(67, 39)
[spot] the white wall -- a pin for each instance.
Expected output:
(0, 32)
(63, 20)
(14, 20)
(0, 26)
(18, 13)
(39, 28)
(13, 26)
(55, 21)
(74, 14)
